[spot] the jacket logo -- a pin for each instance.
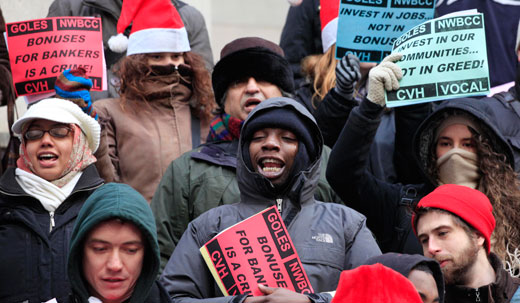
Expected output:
(323, 237)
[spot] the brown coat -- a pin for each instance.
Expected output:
(143, 138)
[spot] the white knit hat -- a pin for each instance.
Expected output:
(62, 111)
(156, 28)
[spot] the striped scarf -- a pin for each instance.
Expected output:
(225, 128)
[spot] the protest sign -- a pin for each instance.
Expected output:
(443, 58)
(368, 28)
(255, 251)
(39, 50)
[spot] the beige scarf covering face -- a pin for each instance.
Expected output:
(459, 166)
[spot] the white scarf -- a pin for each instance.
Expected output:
(49, 195)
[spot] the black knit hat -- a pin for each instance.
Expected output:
(251, 57)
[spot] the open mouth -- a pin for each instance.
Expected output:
(47, 159)
(270, 167)
(251, 103)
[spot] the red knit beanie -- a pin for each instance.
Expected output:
(374, 284)
(469, 204)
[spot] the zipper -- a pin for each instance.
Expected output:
(51, 214)
(279, 205)
(477, 295)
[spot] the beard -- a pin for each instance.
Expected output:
(456, 271)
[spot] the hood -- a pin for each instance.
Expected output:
(477, 109)
(255, 187)
(403, 264)
(114, 200)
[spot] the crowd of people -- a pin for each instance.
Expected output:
(109, 197)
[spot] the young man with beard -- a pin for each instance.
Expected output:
(454, 224)
(278, 163)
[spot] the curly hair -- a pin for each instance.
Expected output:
(134, 70)
(500, 184)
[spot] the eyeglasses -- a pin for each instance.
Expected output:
(56, 132)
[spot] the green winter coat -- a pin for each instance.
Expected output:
(200, 180)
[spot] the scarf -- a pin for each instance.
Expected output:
(80, 157)
(225, 128)
(459, 166)
(49, 195)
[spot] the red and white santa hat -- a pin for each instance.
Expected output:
(156, 28)
(329, 13)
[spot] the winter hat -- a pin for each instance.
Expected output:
(61, 111)
(156, 28)
(329, 12)
(285, 118)
(469, 204)
(74, 85)
(251, 57)
(374, 284)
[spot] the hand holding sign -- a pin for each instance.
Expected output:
(277, 295)
(383, 77)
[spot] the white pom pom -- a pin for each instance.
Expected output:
(118, 43)
(295, 2)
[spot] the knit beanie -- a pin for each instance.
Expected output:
(286, 117)
(469, 204)
(62, 111)
(251, 57)
(74, 85)
(374, 284)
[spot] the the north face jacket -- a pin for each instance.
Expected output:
(349, 244)
(200, 180)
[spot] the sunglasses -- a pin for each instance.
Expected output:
(56, 132)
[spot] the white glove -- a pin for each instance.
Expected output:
(384, 76)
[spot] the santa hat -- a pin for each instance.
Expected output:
(156, 28)
(469, 204)
(374, 284)
(329, 13)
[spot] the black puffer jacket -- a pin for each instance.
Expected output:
(386, 205)
(34, 261)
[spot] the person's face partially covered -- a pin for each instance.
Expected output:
(425, 285)
(272, 152)
(112, 260)
(244, 95)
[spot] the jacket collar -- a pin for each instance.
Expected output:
(89, 179)
(500, 291)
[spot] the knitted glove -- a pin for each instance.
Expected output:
(347, 73)
(386, 75)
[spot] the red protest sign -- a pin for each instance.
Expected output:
(39, 50)
(255, 251)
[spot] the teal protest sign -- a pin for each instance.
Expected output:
(368, 28)
(443, 58)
